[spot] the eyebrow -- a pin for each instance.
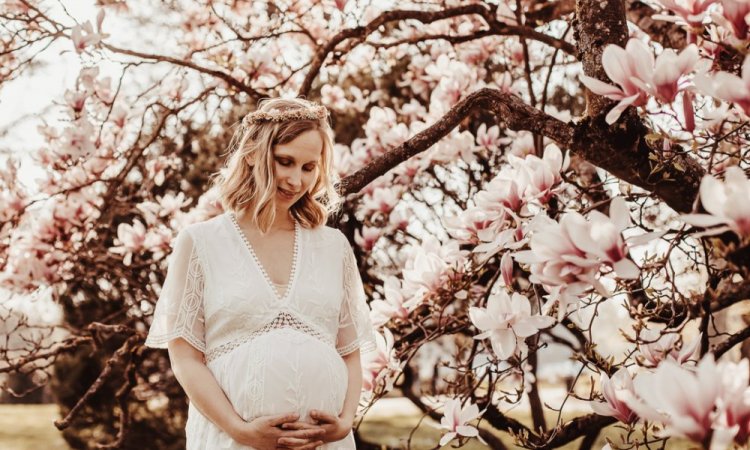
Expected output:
(292, 158)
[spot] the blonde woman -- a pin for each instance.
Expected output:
(263, 310)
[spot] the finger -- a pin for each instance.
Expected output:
(298, 426)
(322, 416)
(292, 442)
(311, 433)
(275, 421)
(310, 446)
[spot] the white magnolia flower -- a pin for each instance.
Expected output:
(726, 203)
(455, 419)
(507, 321)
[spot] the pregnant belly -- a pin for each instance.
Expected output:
(280, 372)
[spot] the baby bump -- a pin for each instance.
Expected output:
(280, 372)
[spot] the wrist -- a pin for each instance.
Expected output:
(347, 419)
(235, 425)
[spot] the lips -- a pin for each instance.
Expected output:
(288, 194)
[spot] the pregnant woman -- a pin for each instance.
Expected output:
(263, 310)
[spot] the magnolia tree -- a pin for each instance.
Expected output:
(523, 179)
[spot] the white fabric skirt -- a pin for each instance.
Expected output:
(280, 372)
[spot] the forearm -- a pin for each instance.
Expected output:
(354, 388)
(206, 395)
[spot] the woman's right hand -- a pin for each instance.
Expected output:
(264, 433)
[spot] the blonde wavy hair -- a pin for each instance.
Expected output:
(247, 180)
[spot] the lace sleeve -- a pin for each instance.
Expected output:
(355, 328)
(179, 310)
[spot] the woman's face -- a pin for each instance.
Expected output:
(296, 167)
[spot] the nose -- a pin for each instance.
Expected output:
(295, 179)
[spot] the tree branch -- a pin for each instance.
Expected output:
(425, 17)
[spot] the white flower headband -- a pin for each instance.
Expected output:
(317, 112)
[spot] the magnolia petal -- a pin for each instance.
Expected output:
(480, 318)
(603, 409)
(468, 431)
(643, 239)
(619, 213)
(599, 87)
(722, 437)
(626, 269)
(447, 437)
(503, 343)
(615, 112)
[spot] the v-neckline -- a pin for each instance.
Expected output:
(269, 283)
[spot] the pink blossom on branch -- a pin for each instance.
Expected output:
(728, 87)
(507, 321)
(455, 420)
(734, 13)
(567, 256)
(131, 239)
(656, 347)
(726, 203)
(708, 404)
(639, 77)
(692, 12)
(84, 36)
(612, 389)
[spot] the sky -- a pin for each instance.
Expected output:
(24, 100)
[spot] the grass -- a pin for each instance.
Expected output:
(30, 427)
(27, 427)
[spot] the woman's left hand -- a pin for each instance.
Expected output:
(336, 428)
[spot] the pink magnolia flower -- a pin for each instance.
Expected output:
(467, 226)
(76, 100)
(131, 239)
(625, 67)
(398, 219)
(638, 76)
(554, 258)
(455, 420)
(77, 140)
(382, 199)
(367, 237)
(706, 404)
(659, 347)
(726, 203)
(540, 176)
(611, 389)
(728, 87)
(507, 321)
(84, 36)
(158, 242)
(394, 305)
(506, 269)
(669, 73)
(430, 264)
(735, 12)
(488, 138)
(381, 368)
(603, 238)
(692, 12)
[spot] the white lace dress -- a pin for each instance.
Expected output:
(270, 353)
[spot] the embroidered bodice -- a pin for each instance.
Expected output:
(217, 295)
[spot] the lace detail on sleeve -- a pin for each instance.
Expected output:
(179, 310)
(355, 328)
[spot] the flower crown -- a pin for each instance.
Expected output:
(316, 112)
